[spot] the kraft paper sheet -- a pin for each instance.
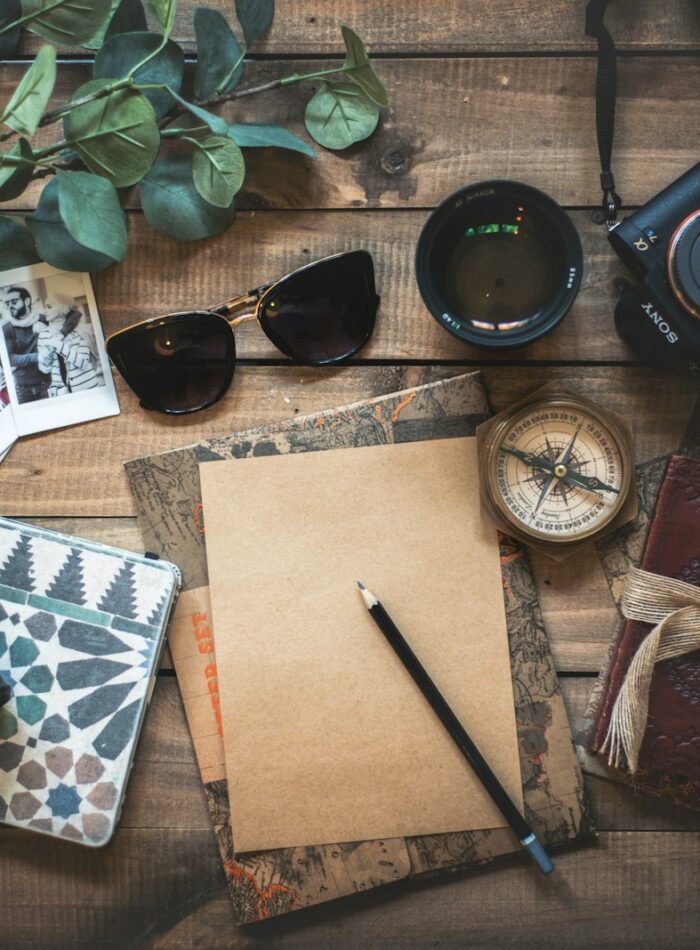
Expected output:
(320, 720)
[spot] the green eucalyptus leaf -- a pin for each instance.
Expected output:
(218, 169)
(359, 68)
(173, 205)
(116, 136)
(253, 135)
(126, 16)
(164, 12)
(255, 17)
(217, 125)
(218, 53)
(124, 51)
(66, 22)
(17, 247)
(24, 110)
(9, 39)
(98, 39)
(340, 114)
(14, 177)
(89, 207)
(53, 240)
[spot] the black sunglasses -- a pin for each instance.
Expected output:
(320, 314)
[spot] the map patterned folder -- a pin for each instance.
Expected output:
(81, 631)
(264, 884)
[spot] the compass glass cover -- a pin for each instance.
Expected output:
(559, 472)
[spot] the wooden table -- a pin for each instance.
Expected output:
(479, 89)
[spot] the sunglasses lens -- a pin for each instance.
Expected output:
(325, 312)
(180, 364)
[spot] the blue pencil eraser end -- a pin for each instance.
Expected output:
(538, 854)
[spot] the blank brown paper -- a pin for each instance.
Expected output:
(327, 739)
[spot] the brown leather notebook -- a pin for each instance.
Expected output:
(672, 739)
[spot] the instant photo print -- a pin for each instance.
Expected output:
(54, 370)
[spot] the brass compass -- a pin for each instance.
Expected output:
(557, 471)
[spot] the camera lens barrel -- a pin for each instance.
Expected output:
(684, 263)
(499, 264)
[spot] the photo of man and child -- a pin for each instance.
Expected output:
(51, 348)
(50, 344)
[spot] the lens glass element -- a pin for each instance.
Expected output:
(500, 274)
(499, 263)
(324, 312)
(179, 363)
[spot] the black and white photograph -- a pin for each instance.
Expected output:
(54, 367)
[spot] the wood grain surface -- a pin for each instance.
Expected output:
(490, 125)
(303, 26)
(479, 89)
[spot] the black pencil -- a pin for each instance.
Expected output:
(526, 836)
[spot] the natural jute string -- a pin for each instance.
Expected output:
(674, 607)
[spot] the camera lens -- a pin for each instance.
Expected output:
(684, 263)
(498, 264)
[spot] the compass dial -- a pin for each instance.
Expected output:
(559, 471)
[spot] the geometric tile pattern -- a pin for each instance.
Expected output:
(79, 626)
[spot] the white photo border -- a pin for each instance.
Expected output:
(59, 411)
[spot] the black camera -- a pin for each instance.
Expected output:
(660, 243)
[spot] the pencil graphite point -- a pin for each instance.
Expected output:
(368, 597)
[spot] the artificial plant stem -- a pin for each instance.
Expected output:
(218, 97)
(295, 77)
(50, 149)
(175, 131)
(58, 113)
(147, 59)
(231, 73)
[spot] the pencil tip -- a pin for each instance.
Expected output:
(361, 585)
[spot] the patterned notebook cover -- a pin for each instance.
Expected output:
(81, 631)
(264, 884)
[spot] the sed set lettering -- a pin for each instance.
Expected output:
(205, 644)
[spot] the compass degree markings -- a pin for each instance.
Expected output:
(577, 479)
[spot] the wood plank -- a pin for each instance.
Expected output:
(152, 888)
(625, 892)
(303, 26)
(77, 471)
(454, 121)
(263, 245)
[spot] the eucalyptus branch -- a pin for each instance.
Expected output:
(295, 77)
(73, 164)
(55, 115)
(218, 97)
(186, 193)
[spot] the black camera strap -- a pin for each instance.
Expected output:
(605, 95)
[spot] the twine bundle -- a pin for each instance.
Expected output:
(674, 607)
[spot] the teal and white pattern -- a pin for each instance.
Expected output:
(80, 630)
